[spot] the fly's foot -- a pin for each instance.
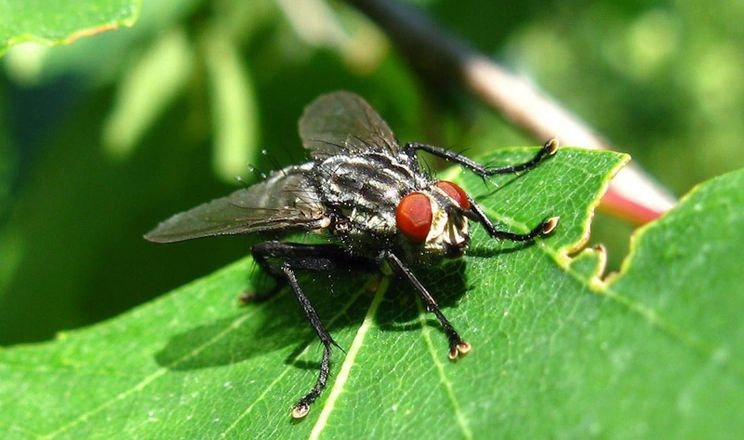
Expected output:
(300, 410)
(548, 225)
(247, 297)
(551, 146)
(461, 348)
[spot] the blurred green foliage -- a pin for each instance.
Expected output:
(101, 139)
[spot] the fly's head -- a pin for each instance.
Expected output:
(435, 219)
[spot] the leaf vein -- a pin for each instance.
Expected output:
(149, 378)
(340, 381)
(460, 417)
(289, 366)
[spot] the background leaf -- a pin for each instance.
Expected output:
(61, 21)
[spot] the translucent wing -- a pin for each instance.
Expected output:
(285, 201)
(342, 122)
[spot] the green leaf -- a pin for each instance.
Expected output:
(63, 21)
(556, 351)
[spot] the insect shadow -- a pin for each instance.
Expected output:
(279, 323)
(485, 250)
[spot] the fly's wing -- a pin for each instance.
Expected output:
(285, 201)
(343, 123)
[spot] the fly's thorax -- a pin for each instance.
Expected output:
(381, 201)
(365, 189)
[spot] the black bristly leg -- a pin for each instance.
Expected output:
(477, 214)
(456, 344)
(302, 406)
(549, 148)
(318, 258)
(311, 257)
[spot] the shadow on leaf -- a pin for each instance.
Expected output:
(231, 340)
(445, 282)
(341, 299)
(269, 325)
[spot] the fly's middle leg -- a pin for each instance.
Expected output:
(270, 255)
(457, 346)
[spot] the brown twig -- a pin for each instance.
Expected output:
(442, 60)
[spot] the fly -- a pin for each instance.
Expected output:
(368, 195)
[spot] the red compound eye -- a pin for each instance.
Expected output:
(455, 192)
(413, 216)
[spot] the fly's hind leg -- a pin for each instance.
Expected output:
(281, 260)
(269, 254)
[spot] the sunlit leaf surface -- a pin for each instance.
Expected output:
(556, 352)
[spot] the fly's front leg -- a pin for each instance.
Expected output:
(477, 214)
(548, 149)
(281, 260)
(457, 346)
